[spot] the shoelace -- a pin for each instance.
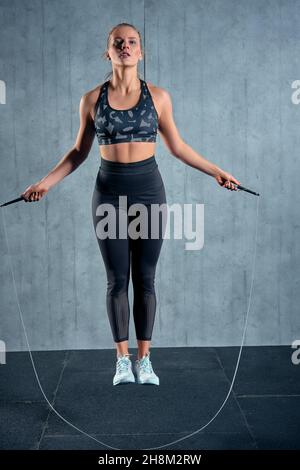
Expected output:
(123, 363)
(145, 365)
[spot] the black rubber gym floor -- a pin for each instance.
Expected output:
(262, 411)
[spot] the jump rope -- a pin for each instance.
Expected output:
(37, 376)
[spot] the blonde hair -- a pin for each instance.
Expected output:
(109, 75)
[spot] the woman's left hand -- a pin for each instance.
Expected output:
(226, 180)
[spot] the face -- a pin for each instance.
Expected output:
(124, 40)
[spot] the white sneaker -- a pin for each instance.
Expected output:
(124, 372)
(144, 371)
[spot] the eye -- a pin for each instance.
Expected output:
(117, 42)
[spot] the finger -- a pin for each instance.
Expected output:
(232, 186)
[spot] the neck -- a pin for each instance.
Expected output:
(125, 82)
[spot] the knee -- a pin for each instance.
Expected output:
(145, 282)
(117, 284)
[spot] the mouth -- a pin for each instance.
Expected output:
(124, 54)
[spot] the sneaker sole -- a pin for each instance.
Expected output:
(148, 382)
(124, 381)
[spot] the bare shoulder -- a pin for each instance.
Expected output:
(89, 99)
(159, 95)
(156, 90)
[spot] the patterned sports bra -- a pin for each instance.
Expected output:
(136, 124)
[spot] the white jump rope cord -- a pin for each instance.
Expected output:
(85, 433)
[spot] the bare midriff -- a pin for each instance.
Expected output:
(127, 152)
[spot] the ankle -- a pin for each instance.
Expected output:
(139, 356)
(123, 354)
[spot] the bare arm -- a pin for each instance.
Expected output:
(79, 152)
(183, 151)
(72, 159)
(195, 160)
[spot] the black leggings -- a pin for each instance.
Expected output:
(141, 183)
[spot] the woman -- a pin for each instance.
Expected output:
(125, 113)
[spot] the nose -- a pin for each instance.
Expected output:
(124, 46)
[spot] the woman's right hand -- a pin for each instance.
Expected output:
(35, 192)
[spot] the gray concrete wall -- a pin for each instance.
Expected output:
(229, 67)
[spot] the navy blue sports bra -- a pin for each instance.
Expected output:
(137, 124)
